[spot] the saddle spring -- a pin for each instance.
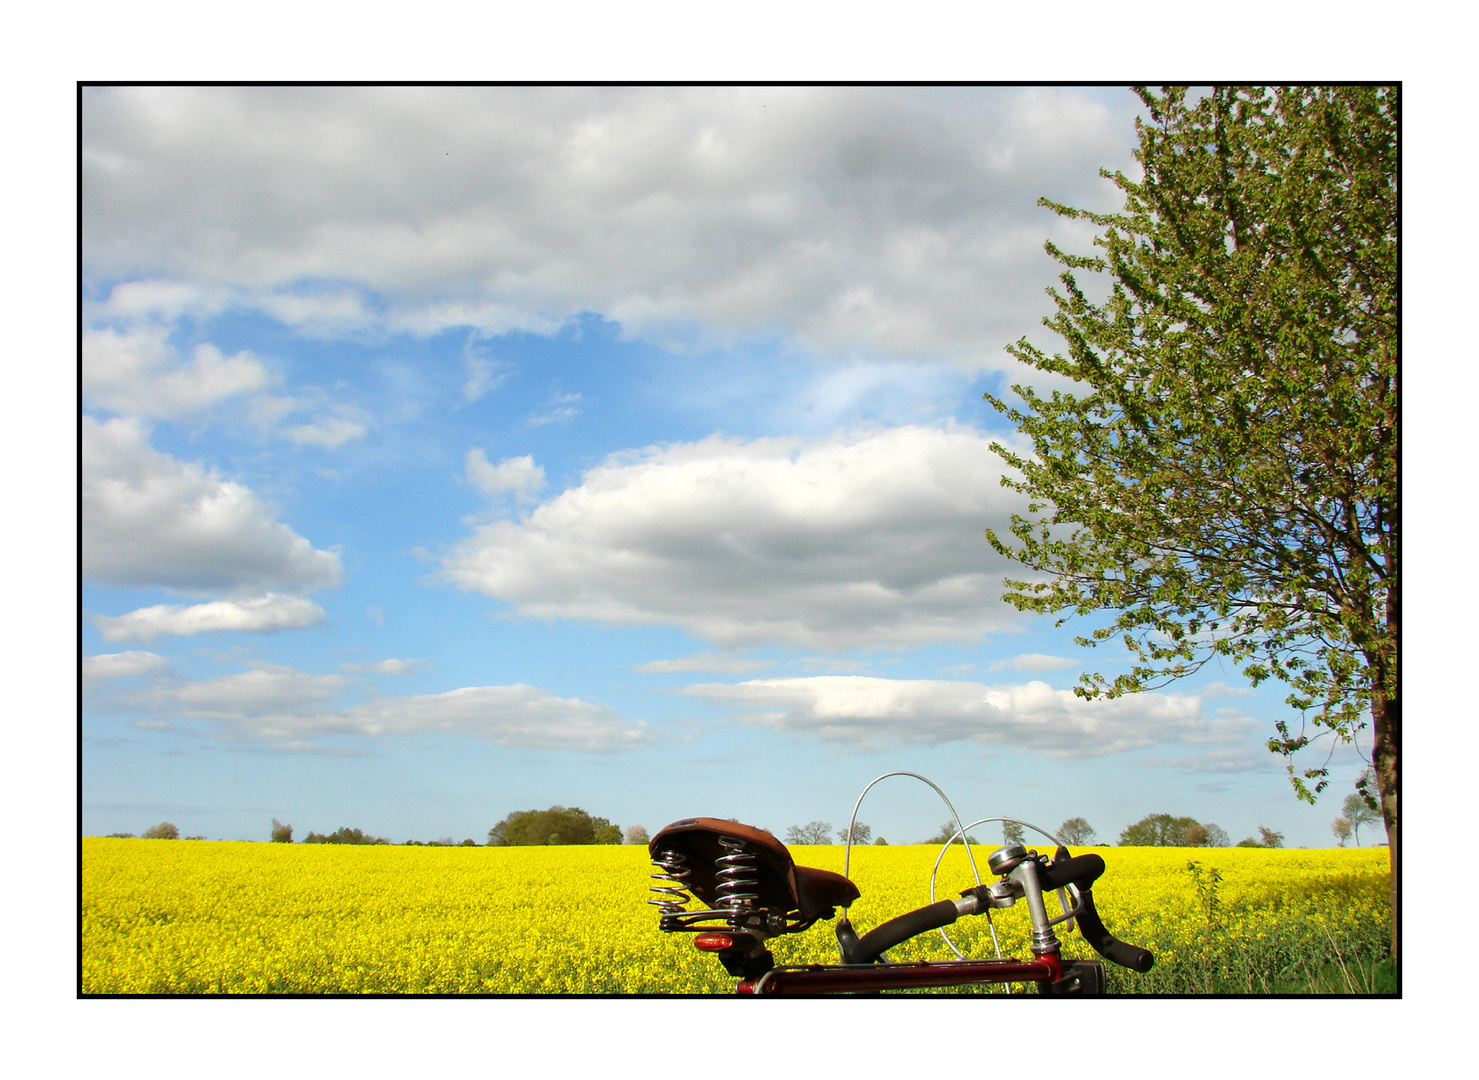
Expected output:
(735, 876)
(673, 869)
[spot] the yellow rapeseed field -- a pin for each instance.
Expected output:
(201, 917)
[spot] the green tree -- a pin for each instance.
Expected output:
(1268, 838)
(1222, 472)
(557, 825)
(281, 834)
(1013, 833)
(1163, 830)
(636, 834)
(344, 835)
(1075, 831)
(861, 834)
(946, 833)
(163, 831)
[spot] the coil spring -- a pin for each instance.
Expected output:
(673, 868)
(731, 877)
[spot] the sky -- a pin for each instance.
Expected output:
(447, 452)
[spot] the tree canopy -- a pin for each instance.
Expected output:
(1219, 465)
(557, 825)
(1163, 830)
(1076, 830)
(344, 835)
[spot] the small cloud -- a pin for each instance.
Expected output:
(723, 665)
(1033, 662)
(519, 475)
(152, 725)
(483, 373)
(830, 663)
(261, 615)
(384, 667)
(561, 409)
(330, 433)
(1223, 690)
(121, 665)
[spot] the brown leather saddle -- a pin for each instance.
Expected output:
(797, 891)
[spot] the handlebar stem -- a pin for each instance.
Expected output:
(1043, 938)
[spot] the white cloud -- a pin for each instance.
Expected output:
(121, 665)
(722, 665)
(135, 371)
(862, 711)
(518, 475)
(855, 220)
(483, 375)
(279, 704)
(262, 614)
(1224, 690)
(517, 715)
(382, 667)
(863, 540)
(149, 519)
(1033, 662)
(330, 432)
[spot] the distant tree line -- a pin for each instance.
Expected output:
(560, 825)
(1153, 830)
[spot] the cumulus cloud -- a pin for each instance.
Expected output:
(860, 540)
(149, 519)
(275, 703)
(897, 221)
(135, 371)
(258, 615)
(518, 475)
(862, 711)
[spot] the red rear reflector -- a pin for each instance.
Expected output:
(713, 942)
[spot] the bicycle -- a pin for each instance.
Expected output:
(753, 891)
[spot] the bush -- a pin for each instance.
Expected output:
(557, 825)
(344, 835)
(163, 831)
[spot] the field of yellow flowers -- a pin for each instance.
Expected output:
(201, 917)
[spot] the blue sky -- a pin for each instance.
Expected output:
(449, 452)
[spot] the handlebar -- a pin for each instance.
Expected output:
(1105, 943)
(879, 940)
(1079, 871)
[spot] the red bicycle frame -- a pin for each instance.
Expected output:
(845, 978)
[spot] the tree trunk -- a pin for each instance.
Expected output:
(1386, 714)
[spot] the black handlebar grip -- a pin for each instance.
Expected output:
(1081, 870)
(1105, 943)
(882, 938)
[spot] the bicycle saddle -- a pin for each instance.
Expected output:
(781, 885)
